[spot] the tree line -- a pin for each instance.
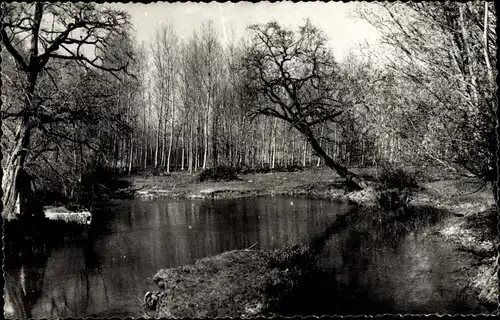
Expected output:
(80, 92)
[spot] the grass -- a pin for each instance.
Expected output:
(472, 229)
(218, 174)
(240, 283)
(318, 183)
(477, 236)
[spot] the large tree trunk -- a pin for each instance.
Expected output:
(15, 163)
(353, 180)
(17, 155)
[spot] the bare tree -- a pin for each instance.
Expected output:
(48, 32)
(302, 84)
(441, 62)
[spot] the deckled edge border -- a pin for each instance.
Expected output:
(497, 135)
(497, 158)
(1, 179)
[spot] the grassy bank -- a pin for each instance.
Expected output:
(476, 235)
(240, 283)
(314, 183)
(473, 229)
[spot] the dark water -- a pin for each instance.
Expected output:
(370, 266)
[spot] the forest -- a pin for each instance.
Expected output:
(80, 93)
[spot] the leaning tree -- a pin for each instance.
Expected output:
(35, 35)
(293, 76)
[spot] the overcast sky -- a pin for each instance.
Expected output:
(334, 18)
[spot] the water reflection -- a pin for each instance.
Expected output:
(370, 262)
(374, 264)
(107, 274)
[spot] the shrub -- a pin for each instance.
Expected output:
(394, 198)
(245, 169)
(298, 256)
(396, 186)
(218, 174)
(267, 169)
(50, 197)
(293, 168)
(287, 168)
(398, 178)
(94, 188)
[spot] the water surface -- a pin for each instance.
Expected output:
(369, 266)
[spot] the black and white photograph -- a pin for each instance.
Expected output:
(249, 159)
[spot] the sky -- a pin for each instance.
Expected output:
(231, 19)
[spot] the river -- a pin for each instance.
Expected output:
(390, 267)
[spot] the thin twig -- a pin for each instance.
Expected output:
(253, 245)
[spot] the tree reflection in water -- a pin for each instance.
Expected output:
(383, 262)
(380, 261)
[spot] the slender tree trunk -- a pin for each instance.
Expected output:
(131, 156)
(320, 143)
(145, 140)
(157, 150)
(309, 153)
(362, 153)
(465, 36)
(205, 130)
(182, 154)
(171, 137)
(196, 147)
(273, 146)
(146, 136)
(304, 154)
(485, 47)
(190, 160)
(164, 142)
(214, 133)
(335, 144)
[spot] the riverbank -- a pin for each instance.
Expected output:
(240, 283)
(473, 229)
(314, 183)
(204, 289)
(450, 192)
(470, 229)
